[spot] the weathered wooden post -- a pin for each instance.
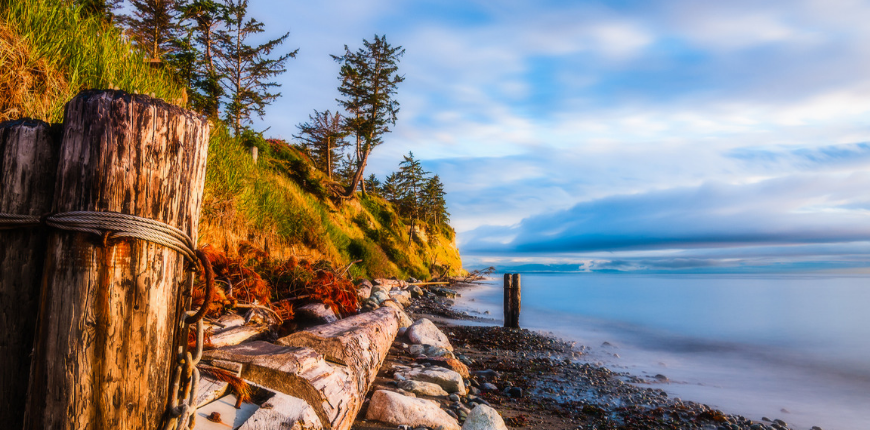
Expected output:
(515, 301)
(110, 309)
(507, 299)
(28, 162)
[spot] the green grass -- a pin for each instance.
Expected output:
(86, 51)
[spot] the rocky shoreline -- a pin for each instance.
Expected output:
(538, 382)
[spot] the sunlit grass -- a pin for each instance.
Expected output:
(50, 51)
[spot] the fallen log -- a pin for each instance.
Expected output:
(330, 389)
(28, 162)
(283, 412)
(237, 335)
(360, 342)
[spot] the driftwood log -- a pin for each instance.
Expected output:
(109, 317)
(360, 342)
(283, 412)
(330, 389)
(237, 335)
(28, 162)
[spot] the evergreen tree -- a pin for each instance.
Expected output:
(374, 184)
(196, 52)
(412, 180)
(324, 136)
(369, 81)
(246, 69)
(392, 189)
(433, 203)
(153, 26)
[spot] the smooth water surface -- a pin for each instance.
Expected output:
(794, 347)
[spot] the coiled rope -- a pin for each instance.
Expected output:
(113, 225)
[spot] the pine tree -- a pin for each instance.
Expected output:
(374, 184)
(433, 202)
(196, 54)
(153, 27)
(369, 81)
(246, 69)
(324, 136)
(413, 179)
(391, 188)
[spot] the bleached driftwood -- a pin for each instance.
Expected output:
(237, 335)
(360, 342)
(330, 389)
(283, 412)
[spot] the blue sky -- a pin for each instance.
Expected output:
(627, 135)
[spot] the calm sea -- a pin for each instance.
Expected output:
(793, 347)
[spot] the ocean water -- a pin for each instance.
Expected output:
(793, 347)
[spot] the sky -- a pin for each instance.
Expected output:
(621, 135)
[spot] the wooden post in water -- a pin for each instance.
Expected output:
(110, 311)
(28, 162)
(515, 301)
(507, 299)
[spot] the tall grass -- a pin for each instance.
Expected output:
(73, 52)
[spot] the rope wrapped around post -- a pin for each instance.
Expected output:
(113, 225)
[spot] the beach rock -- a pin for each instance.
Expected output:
(364, 291)
(486, 374)
(379, 296)
(412, 280)
(449, 380)
(401, 296)
(396, 409)
(404, 320)
(416, 291)
(484, 417)
(447, 362)
(314, 314)
(370, 304)
(425, 332)
(445, 292)
(515, 392)
(488, 387)
(422, 388)
(430, 351)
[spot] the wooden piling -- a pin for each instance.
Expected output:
(507, 299)
(515, 301)
(109, 312)
(28, 162)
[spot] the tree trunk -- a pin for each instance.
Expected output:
(300, 372)
(109, 313)
(28, 163)
(358, 175)
(360, 342)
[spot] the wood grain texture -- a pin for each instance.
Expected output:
(360, 342)
(28, 162)
(109, 313)
(329, 388)
(237, 335)
(516, 300)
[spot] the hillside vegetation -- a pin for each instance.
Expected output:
(279, 204)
